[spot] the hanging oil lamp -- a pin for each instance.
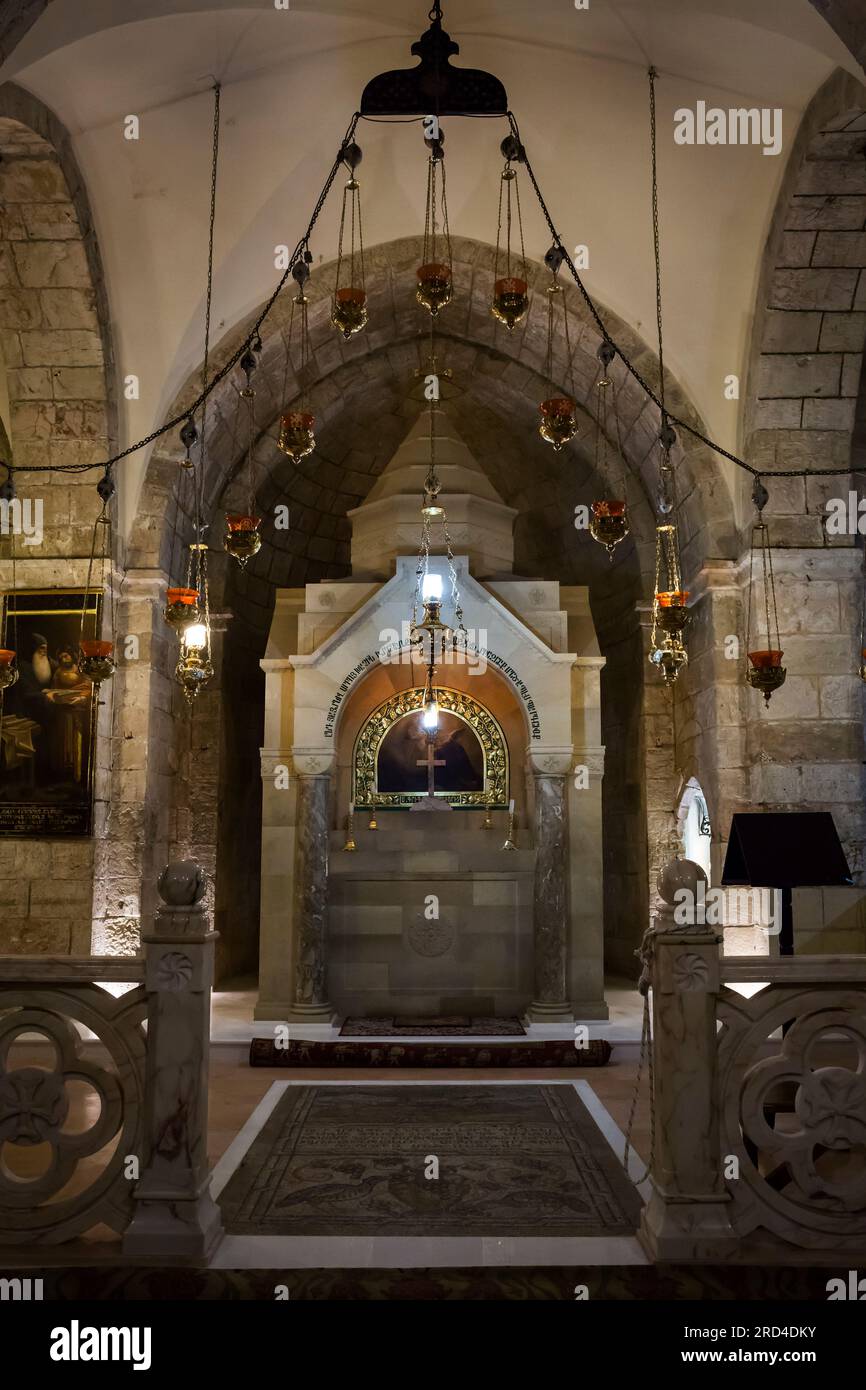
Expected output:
(558, 424)
(431, 634)
(511, 289)
(95, 653)
(349, 308)
(435, 277)
(765, 671)
(296, 437)
(188, 606)
(242, 539)
(181, 607)
(609, 524)
(670, 616)
(194, 668)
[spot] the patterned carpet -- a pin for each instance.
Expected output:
(448, 1026)
(784, 1284)
(350, 1161)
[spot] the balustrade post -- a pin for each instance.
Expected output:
(687, 1215)
(175, 1215)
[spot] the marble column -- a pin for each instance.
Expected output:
(550, 922)
(311, 898)
(687, 1214)
(175, 1215)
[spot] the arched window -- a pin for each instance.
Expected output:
(694, 826)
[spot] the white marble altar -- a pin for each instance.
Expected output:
(524, 930)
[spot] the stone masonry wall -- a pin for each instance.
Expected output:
(56, 351)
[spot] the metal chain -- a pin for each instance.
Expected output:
(656, 240)
(303, 243)
(629, 366)
(499, 228)
(236, 356)
(198, 475)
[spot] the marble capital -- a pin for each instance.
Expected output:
(592, 759)
(552, 760)
(273, 758)
(313, 762)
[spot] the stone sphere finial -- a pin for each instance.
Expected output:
(679, 874)
(182, 883)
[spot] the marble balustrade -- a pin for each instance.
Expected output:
(759, 1104)
(153, 1091)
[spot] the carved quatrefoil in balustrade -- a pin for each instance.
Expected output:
(35, 1107)
(828, 1106)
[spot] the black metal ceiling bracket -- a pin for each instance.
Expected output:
(434, 87)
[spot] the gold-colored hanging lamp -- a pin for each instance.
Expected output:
(670, 614)
(435, 276)
(242, 538)
(297, 438)
(510, 283)
(558, 424)
(349, 306)
(609, 523)
(765, 671)
(96, 652)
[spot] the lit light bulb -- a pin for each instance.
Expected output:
(430, 717)
(195, 637)
(431, 588)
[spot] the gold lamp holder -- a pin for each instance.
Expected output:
(350, 846)
(510, 839)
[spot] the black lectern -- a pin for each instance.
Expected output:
(785, 850)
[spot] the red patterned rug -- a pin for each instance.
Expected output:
(265, 1053)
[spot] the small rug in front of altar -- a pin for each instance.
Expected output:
(515, 1160)
(440, 1026)
(264, 1052)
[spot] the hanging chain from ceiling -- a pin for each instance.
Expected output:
(302, 249)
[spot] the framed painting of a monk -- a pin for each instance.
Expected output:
(47, 717)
